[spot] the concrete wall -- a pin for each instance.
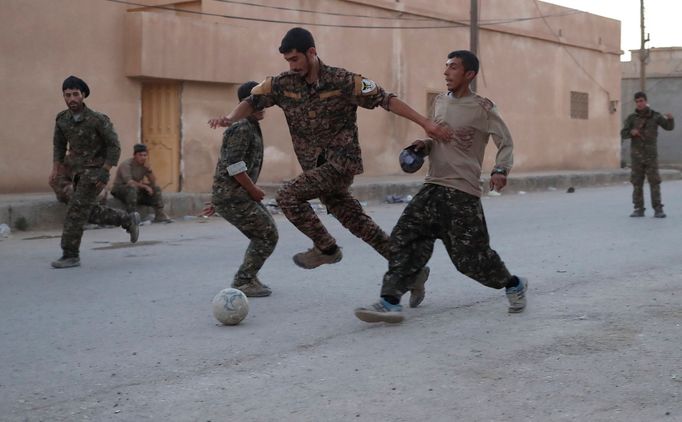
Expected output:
(529, 67)
(664, 93)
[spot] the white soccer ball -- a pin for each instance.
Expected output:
(230, 306)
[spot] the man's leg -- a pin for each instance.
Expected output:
(77, 214)
(654, 178)
(256, 223)
(128, 195)
(293, 199)
(411, 247)
(465, 236)
(637, 180)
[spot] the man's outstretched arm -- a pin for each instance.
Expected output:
(243, 110)
(433, 130)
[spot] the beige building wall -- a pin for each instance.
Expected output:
(529, 68)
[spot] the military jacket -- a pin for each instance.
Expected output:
(647, 122)
(242, 149)
(89, 137)
(322, 116)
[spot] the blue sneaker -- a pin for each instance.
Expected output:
(517, 296)
(380, 311)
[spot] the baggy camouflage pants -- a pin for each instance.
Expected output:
(645, 165)
(83, 208)
(62, 185)
(256, 223)
(332, 188)
(456, 218)
(132, 196)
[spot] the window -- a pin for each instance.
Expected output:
(579, 105)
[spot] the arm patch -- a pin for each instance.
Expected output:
(236, 168)
(263, 88)
(364, 86)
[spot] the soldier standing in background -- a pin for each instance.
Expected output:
(641, 127)
(135, 184)
(320, 104)
(93, 149)
(237, 198)
(448, 206)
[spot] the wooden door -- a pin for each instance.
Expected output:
(161, 131)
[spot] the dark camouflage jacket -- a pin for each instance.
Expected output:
(242, 142)
(90, 139)
(647, 122)
(322, 117)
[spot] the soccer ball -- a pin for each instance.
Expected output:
(230, 306)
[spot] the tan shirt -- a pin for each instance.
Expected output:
(130, 170)
(457, 164)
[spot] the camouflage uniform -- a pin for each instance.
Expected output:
(322, 123)
(131, 196)
(62, 185)
(644, 154)
(243, 142)
(92, 143)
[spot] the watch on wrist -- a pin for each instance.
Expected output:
(499, 170)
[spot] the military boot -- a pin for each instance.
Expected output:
(418, 291)
(638, 212)
(658, 213)
(67, 262)
(314, 257)
(253, 289)
(161, 217)
(133, 226)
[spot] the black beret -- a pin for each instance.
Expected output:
(73, 82)
(245, 89)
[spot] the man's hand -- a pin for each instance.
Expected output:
(668, 116)
(53, 175)
(438, 131)
(148, 189)
(634, 133)
(209, 210)
(418, 145)
(102, 178)
(223, 121)
(257, 194)
(498, 181)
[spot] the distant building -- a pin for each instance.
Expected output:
(160, 72)
(664, 92)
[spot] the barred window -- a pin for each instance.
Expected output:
(579, 105)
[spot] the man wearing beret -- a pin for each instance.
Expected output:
(135, 184)
(93, 149)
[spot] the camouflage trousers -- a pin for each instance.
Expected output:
(62, 185)
(641, 167)
(83, 208)
(132, 196)
(332, 188)
(256, 223)
(454, 217)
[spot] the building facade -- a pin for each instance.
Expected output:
(160, 69)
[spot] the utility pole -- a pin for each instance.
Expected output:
(643, 53)
(473, 33)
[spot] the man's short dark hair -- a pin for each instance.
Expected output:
(139, 148)
(298, 39)
(244, 90)
(469, 59)
(640, 94)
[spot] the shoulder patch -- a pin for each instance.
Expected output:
(363, 86)
(485, 103)
(263, 88)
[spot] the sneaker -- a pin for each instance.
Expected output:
(134, 226)
(253, 289)
(313, 258)
(517, 296)
(658, 213)
(638, 212)
(161, 217)
(381, 311)
(67, 262)
(418, 292)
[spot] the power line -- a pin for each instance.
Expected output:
(462, 23)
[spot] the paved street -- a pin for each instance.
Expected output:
(129, 336)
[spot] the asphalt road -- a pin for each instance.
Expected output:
(129, 336)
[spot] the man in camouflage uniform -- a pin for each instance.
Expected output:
(641, 127)
(93, 148)
(448, 207)
(135, 184)
(320, 104)
(237, 198)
